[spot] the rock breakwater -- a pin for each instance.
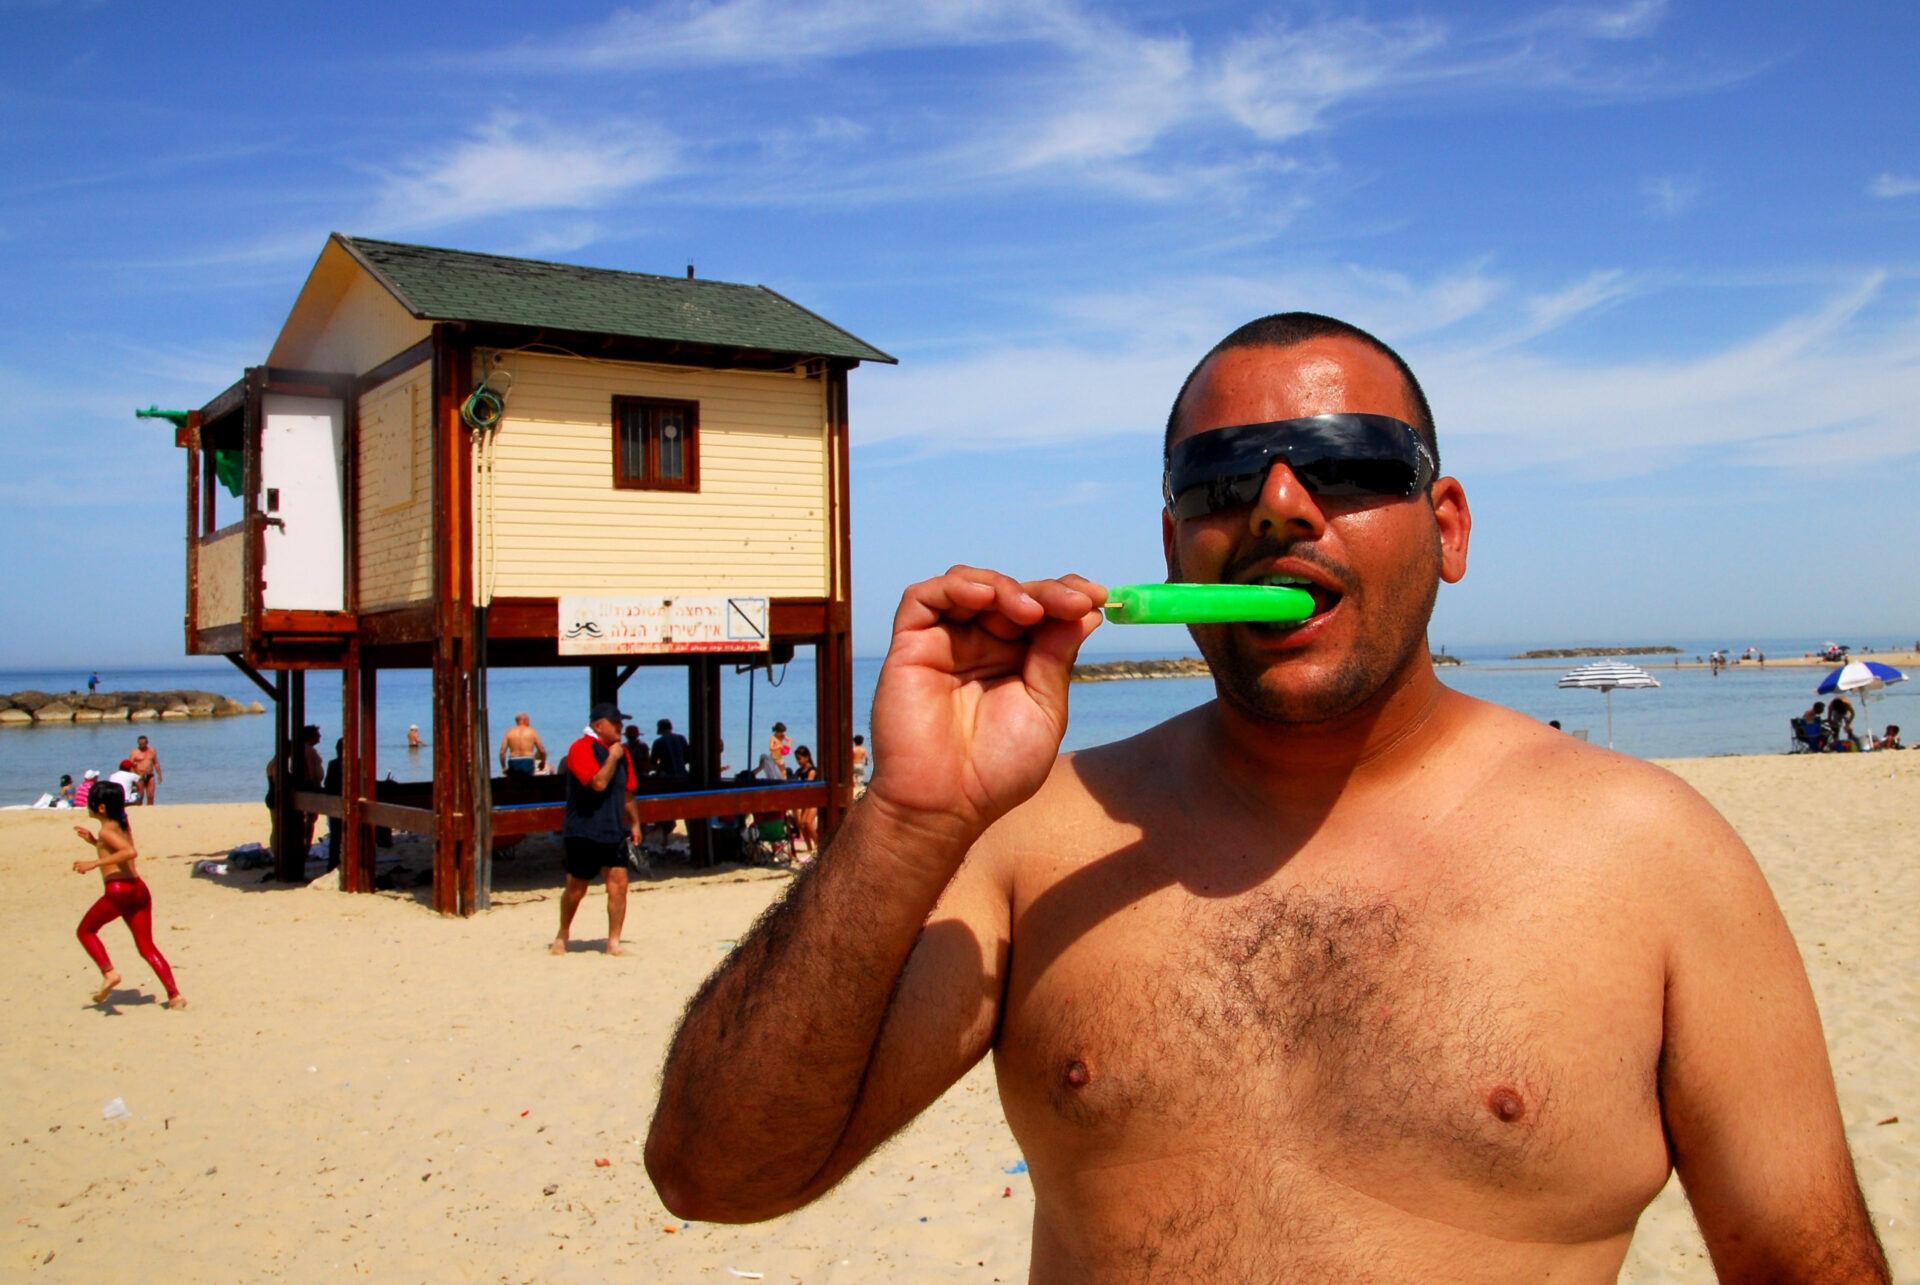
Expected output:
(34, 708)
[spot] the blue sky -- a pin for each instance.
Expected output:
(1656, 263)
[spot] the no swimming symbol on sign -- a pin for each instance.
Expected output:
(635, 626)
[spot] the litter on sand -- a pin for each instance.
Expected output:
(747, 1276)
(115, 1110)
(1018, 1166)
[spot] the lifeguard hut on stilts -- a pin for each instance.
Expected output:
(462, 461)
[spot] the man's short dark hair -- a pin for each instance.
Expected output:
(1289, 329)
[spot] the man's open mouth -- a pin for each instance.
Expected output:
(1324, 599)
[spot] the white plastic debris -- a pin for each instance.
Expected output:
(115, 1110)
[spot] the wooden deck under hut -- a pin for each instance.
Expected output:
(463, 461)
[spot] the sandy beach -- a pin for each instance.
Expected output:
(362, 1089)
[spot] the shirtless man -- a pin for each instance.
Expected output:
(146, 766)
(1343, 976)
(521, 750)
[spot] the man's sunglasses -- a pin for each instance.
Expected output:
(1337, 455)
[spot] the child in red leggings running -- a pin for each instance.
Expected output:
(126, 895)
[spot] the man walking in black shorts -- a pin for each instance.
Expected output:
(601, 816)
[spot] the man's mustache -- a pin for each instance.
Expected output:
(1268, 548)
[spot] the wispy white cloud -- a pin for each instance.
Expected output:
(1894, 185)
(1150, 111)
(1628, 21)
(1278, 82)
(1671, 194)
(681, 33)
(510, 164)
(1820, 390)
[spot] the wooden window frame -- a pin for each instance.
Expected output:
(652, 481)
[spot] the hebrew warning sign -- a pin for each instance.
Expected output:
(653, 625)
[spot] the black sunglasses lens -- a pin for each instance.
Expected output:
(1215, 494)
(1357, 477)
(1334, 455)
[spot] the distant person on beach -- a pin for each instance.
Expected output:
(1343, 975)
(63, 797)
(1840, 722)
(82, 790)
(599, 820)
(126, 896)
(413, 736)
(312, 776)
(146, 765)
(806, 820)
(861, 763)
(779, 745)
(636, 749)
(332, 783)
(93, 682)
(1891, 741)
(522, 752)
(128, 781)
(671, 753)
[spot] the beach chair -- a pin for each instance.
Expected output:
(1806, 741)
(771, 842)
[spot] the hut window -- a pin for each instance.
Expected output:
(656, 444)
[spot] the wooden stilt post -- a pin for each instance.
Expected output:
(476, 887)
(703, 736)
(366, 754)
(350, 771)
(833, 654)
(453, 671)
(282, 778)
(289, 853)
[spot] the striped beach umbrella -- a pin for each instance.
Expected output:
(1604, 676)
(1861, 676)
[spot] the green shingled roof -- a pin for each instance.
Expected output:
(455, 285)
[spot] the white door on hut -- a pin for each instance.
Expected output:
(302, 453)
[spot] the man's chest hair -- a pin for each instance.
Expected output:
(1325, 1016)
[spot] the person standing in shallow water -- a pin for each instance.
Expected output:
(126, 897)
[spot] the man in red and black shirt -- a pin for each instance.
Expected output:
(601, 817)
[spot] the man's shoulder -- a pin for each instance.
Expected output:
(1635, 822)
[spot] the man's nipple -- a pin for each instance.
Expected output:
(1077, 1074)
(1507, 1105)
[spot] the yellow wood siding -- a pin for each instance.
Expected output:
(222, 576)
(758, 524)
(396, 493)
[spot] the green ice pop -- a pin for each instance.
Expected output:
(1207, 604)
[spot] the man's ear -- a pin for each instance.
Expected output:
(1455, 520)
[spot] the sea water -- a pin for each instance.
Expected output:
(1744, 710)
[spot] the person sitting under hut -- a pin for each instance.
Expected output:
(636, 749)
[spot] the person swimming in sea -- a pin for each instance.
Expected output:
(126, 897)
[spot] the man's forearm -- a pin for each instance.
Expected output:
(767, 1067)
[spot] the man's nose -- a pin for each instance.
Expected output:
(1285, 506)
